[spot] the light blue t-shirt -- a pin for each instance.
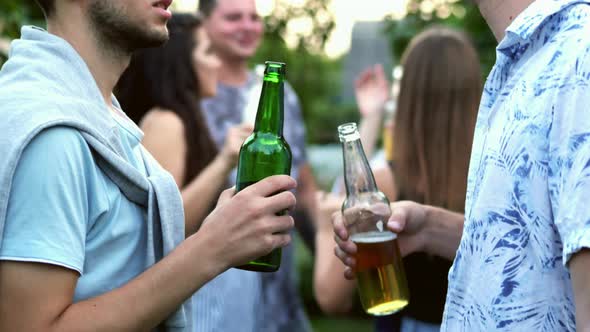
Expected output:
(63, 210)
(527, 211)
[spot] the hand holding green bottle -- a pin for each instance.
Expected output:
(266, 152)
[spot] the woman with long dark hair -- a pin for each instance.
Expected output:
(433, 132)
(161, 90)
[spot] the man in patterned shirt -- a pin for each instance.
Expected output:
(521, 258)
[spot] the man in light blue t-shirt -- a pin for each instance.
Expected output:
(91, 227)
(521, 251)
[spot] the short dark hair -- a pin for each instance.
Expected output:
(47, 6)
(206, 7)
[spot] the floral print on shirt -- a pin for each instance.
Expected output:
(526, 211)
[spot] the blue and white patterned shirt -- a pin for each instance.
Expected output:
(526, 211)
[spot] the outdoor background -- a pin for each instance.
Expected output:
(325, 44)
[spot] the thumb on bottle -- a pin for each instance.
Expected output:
(397, 221)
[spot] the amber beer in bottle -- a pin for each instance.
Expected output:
(265, 152)
(380, 276)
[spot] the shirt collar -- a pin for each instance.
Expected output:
(529, 21)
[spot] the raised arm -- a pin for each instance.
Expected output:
(371, 91)
(199, 194)
(164, 139)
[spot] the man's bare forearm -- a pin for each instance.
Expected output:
(443, 232)
(579, 266)
(146, 301)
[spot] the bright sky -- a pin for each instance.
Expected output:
(346, 13)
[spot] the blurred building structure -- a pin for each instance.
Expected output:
(369, 45)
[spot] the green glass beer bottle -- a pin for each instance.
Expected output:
(265, 152)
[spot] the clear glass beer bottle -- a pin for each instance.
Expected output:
(380, 276)
(265, 152)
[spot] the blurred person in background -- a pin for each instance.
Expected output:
(272, 299)
(433, 130)
(372, 94)
(521, 250)
(376, 104)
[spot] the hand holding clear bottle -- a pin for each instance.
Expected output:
(379, 269)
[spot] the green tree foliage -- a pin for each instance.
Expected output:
(424, 13)
(14, 14)
(315, 77)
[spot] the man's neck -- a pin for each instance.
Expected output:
(499, 14)
(106, 67)
(233, 73)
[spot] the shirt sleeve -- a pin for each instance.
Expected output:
(569, 163)
(294, 126)
(48, 204)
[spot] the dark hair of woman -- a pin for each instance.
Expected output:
(164, 78)
(435, 119)
(433, 133)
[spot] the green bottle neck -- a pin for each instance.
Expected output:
(269, 117)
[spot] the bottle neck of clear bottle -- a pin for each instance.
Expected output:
(358, 177)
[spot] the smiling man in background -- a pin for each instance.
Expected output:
(265, 302)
